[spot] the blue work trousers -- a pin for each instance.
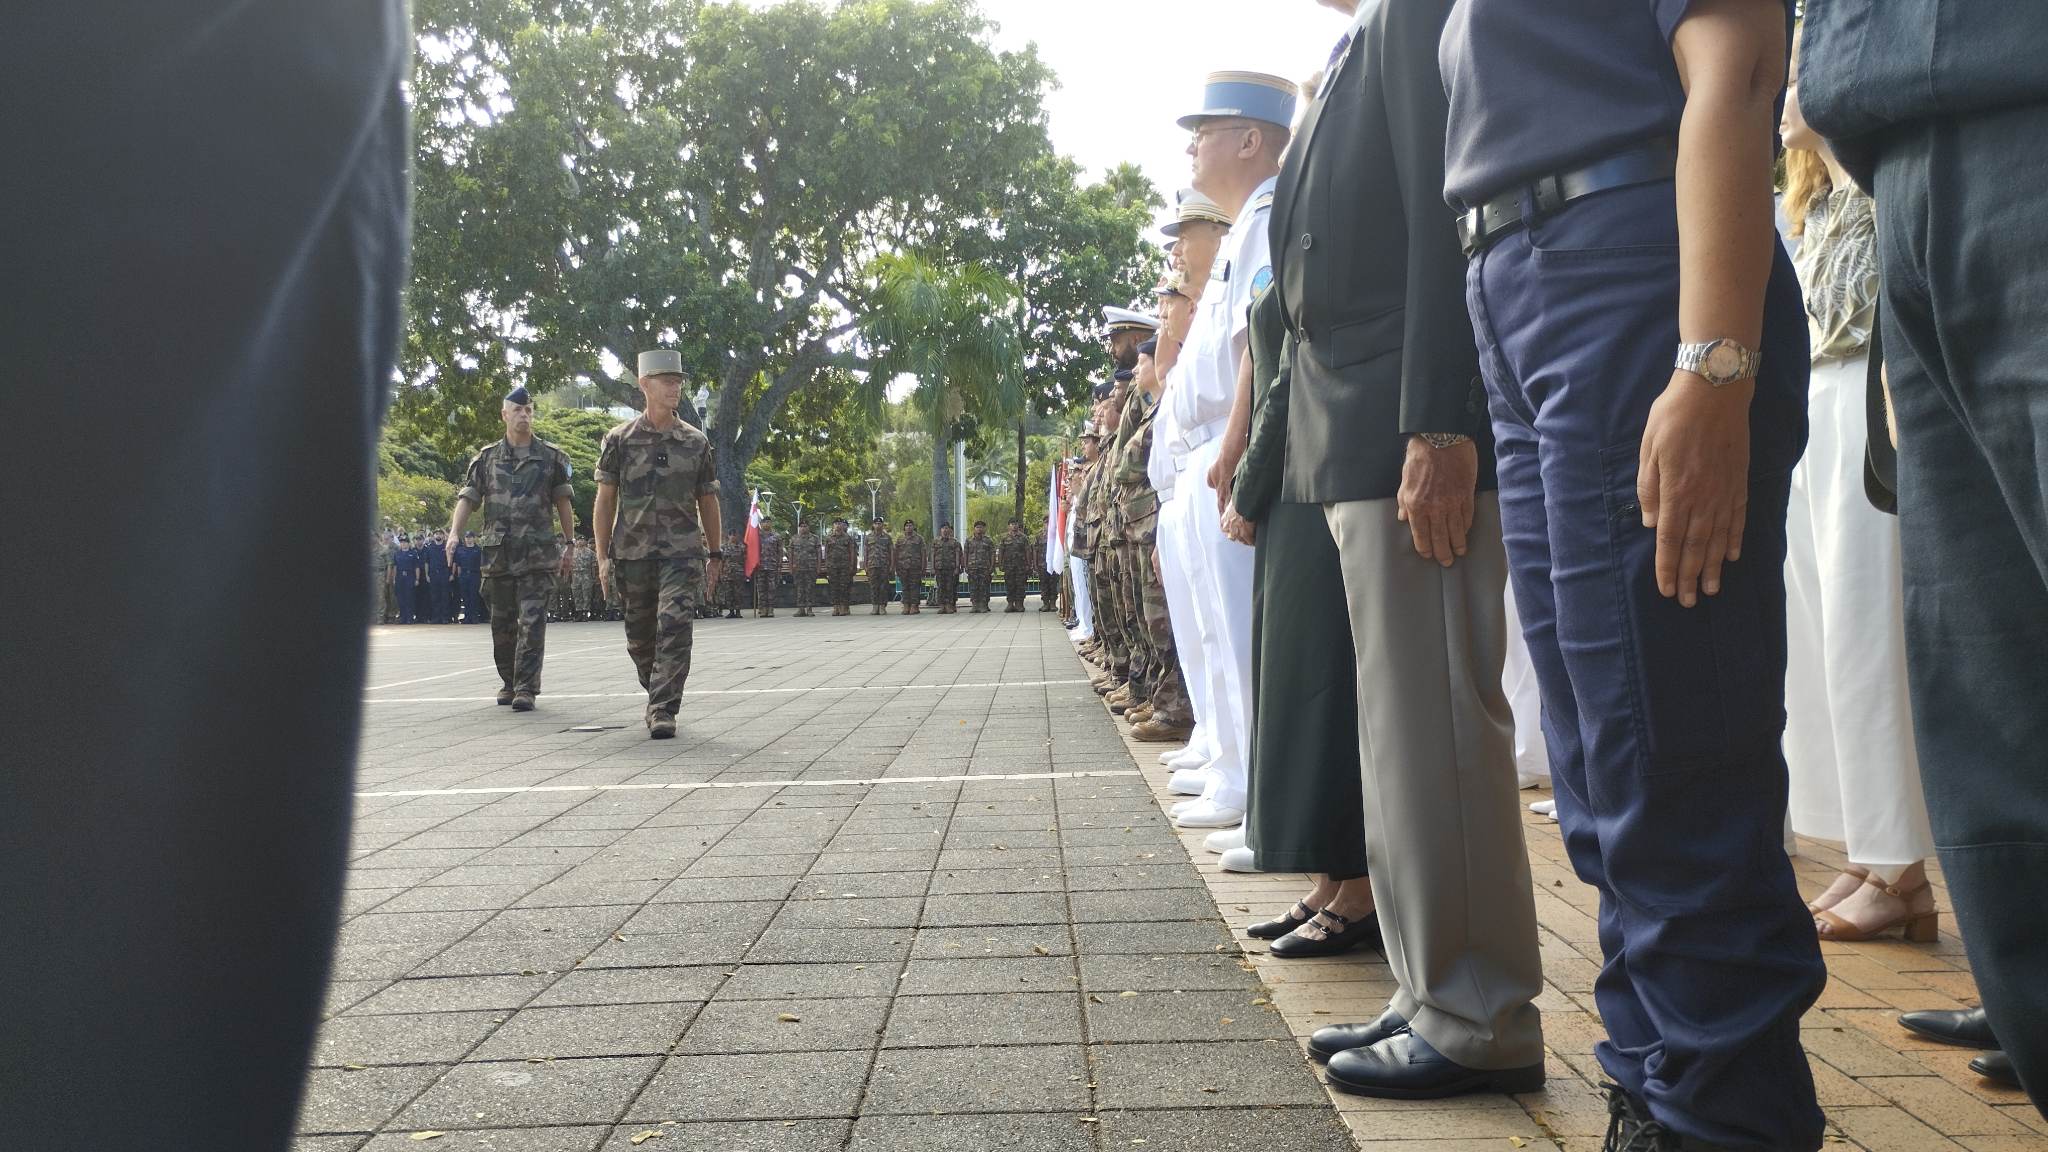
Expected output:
(1663, 722)
(408, 600)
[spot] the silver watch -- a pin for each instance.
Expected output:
(1443, 439)
(1718, 362)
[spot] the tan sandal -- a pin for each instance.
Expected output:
(1920, 919)
(1854, 874)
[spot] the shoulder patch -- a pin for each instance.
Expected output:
(1262, 202)
(1262, 279)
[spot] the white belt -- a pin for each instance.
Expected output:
(1191, 440)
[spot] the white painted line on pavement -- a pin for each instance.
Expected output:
(723, 691)
(480, 668)
(751, 784)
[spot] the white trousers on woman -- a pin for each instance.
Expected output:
(1849, 727)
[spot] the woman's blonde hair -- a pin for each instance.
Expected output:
(1806, 174)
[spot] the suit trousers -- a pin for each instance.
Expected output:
(1965, 255)
(1663, 722)
(1443, 826)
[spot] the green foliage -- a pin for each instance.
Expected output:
(579, 432)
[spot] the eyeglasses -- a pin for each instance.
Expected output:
(1195, 137)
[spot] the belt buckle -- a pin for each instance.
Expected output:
(1471, 229)
(1548, 194)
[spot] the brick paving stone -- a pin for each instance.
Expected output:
(526, 1094)
(761, 1086)
(588, 1030)
(1040, 1078)
(990, 1019)
(732, 1136)
(433, 1038)
(993, 1133)
(786, 1025)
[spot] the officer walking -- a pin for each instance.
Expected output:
(767, 571)
(516, 484)
(1016, 565)
(804, 555)
(911, 557)
(946, 571)
(881, 558)
(469, 561)
(981, 566)
(839, 567)
(656, 517)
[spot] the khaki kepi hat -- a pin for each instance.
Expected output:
(1195, 206)
(661, 362)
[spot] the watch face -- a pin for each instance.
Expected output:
(1722, 363)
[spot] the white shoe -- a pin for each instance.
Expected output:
(1188, 782)
(1220, 842)
(1182, 806)
(1167, 756)
(1238, 860)
(1187, 758)
(1544, 807)
(1208, 814)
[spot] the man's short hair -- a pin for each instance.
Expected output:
(981, 523)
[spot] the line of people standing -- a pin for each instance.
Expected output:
(897, 568)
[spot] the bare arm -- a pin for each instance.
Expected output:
(713, 528)
(1236, 433)
(1693, 476)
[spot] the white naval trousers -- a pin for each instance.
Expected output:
(1178, 574)
(1222, 603)
(1084, 606)
(1849, 727)
(1518, 681)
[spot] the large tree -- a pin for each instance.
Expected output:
(597, 177)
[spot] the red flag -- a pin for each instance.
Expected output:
(754, 534)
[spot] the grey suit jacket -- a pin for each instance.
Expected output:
(1366, 259)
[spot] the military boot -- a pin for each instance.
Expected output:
(661, 726)
(522, 701)
(504, 696)
(1156, 731)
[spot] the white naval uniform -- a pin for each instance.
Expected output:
(1219, 569)
(1178, 579)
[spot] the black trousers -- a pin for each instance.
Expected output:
(1964, 247)
(223, 228)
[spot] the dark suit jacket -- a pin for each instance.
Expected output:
(1366, 259)
(1256, 487)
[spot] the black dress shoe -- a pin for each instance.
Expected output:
(1405, 1067)
(1996, 1067)
(1275, 929)
(1350, 935)
(1966, 1028)
(1327, 1042)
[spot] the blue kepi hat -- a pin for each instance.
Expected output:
(1247, 95)
(518, 395)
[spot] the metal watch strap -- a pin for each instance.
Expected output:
(1443, 439)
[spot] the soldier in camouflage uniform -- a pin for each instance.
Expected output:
(911, 559)
(946, 571)
(1115, 658)
(563, 606)
(1129, 403)
(583, 575)
(839, 567)
(1015, 551)
(380, 572)
(1167, 716)
(981, 567)
(767, 571)
(804, 555)
(881, 558)
(657, 528)
(514, 487)
(733, 572)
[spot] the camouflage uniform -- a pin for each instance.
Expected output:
(911, 559)
(1102, 567)
(563, 604)
(514, 491)
(730, 575)
(981, 566)
(946, 574)
(767, 572)
(839, 570)
(657, 549)
(380, 572)
(881, 568)
(583, 575)
(1048, 580)
(1016, 548)
(1163, 686)
(803, 566)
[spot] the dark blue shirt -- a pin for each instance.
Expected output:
(436, 558)
(469, 561)
(406, 563)
(1537, 88)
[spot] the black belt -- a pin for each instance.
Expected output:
(1481, 226)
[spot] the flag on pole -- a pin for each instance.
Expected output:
(754, 533)
(1055, 518)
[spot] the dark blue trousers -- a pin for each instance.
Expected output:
(408, 601)
(472, 599)
(1965, 252)
(437, 598)
(1663, 722)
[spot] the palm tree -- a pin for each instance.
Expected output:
(953, 329)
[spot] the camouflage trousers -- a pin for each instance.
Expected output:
(879, 587)
(586, 597)
(806, 591)
(1104, 583)
(564, 604)
(839, 587)
(912, 584)
(1016, 584)
(945, 589)
(1165, 687)
(729, 586)
(1048, 591)
(519, 627)
(977, 590)
(661, 598)
(765, 587)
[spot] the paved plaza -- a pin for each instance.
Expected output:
(899, 884)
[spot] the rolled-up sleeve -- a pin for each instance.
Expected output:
(559, 481)
(609, 460)
(472, 488)
(707, 477)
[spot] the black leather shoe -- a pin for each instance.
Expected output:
(1275, 929)
(1405, 1067)
(1350, 935)
(1327, 1042)
(1965, 1029)
(1996, 1067)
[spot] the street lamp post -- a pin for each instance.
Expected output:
(767, 503)
(874, 494)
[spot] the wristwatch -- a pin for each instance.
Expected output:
(1443, 439)
(1718, 362)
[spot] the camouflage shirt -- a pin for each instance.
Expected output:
(584, 565)
(514, 492)
(803, 553)
(839, 552)
(769, 556)
(881, 554)
(945, 555)
(910, 554)
(1038, 548)
(981, 555)
(659, 474)
(1015, 555)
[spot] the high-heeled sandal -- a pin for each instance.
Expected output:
(1296, 916)
(1920, 919)
(1837, 891)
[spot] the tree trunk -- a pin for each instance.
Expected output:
(942, 478)
(732, 487)
(1023, 470)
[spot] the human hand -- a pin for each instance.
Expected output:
(1692, 481)
(1237, 527)
(1436, 497)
